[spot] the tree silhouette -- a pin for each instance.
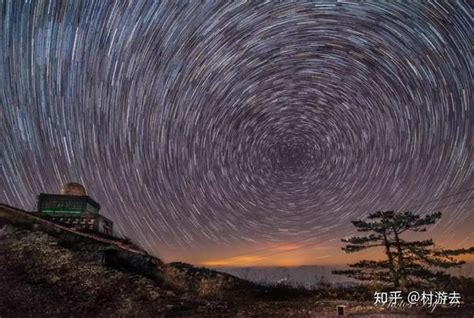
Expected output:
(407, 263)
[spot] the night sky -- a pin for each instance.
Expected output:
(241, 134)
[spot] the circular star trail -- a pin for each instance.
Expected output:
(217, 125)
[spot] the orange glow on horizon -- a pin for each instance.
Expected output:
(467, 258)
(233, 261)
(287, 255)
(288, 247)
(293, 255)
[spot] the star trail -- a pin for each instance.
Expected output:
(210, 130)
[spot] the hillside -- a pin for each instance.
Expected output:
(50, 270)
(47, 270)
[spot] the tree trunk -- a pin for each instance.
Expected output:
(391, 266)
(401, 262)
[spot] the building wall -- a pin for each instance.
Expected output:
(105, 226)
(78, 212)
(66, 204)
(83, 223)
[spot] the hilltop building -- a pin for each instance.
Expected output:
(75, 209)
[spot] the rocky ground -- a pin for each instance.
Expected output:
(41, 278)
(49, 274)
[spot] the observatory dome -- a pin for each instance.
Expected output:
(73, 188)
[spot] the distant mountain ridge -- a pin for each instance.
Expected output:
(309, 276)
(306, 276)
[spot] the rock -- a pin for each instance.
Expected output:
(54, 279)
(154, 295)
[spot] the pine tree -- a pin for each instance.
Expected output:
(407, 263)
